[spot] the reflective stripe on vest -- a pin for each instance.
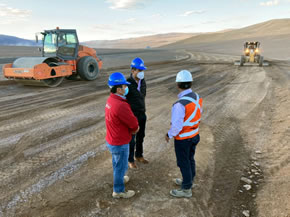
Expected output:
(189, 133)
(187, 122)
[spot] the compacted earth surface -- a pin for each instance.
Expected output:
(54, 161)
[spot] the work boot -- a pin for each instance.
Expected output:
(142, 160)
(132, 165)
(181, 193)
(178, 182)
(126, 179)
(126, 194)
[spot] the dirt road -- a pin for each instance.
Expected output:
(54, 161)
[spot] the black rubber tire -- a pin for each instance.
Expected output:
(242, 61)
(73, 77)
(88, 68)
(257, 59)
(52, 82)
(261, 60)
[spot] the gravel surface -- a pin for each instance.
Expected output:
(54, 162)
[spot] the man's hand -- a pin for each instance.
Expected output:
(136, 131)
(167, 137)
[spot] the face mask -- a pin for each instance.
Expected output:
(140, 75)
(126, 91)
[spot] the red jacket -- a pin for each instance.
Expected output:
(120, 121)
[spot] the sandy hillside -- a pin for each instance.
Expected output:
(140, 42)
(274, 36)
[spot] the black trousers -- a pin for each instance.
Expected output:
(137, 140)
(185, 151)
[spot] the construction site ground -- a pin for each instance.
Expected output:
(54, 161)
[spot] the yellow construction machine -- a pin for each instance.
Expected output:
(252, 55)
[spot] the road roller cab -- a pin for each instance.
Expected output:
(62, 57)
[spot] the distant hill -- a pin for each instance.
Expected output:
(6, 40)
(151, 41)
(130, 43)
(274, 36)
(270, 28)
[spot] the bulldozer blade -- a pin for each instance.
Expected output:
(237, 63)
(266, 64)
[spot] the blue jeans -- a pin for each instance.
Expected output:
(185, 151)
(120, 155)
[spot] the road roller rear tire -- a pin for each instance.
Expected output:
(88, 68)
(261, 60)
(73, 77)
(242, 61)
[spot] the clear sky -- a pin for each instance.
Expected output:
(115, 19)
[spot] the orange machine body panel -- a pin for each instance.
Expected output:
(38, 72)
(43, 71)
(84, 51)
(73, 64)
(87, 51)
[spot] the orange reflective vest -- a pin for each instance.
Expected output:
(193, 109)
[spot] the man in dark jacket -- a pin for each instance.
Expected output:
(120, 125)
(136, 99)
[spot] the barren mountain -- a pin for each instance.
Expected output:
(269, 28)
(273, 35)
(7, 40)
(140, 42)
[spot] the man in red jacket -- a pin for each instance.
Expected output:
(120, 124)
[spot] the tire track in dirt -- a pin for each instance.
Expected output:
(36, 159)
(163, 79)
(201, 207)
(38, 156)
(229, 109)
(196, 207)
(275, 159)
(70, 170)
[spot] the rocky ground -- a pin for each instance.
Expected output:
(54, 162)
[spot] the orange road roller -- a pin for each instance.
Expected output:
(62, 57)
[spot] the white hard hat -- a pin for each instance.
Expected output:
(184, 76)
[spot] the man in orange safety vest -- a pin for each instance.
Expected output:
(186, 115)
